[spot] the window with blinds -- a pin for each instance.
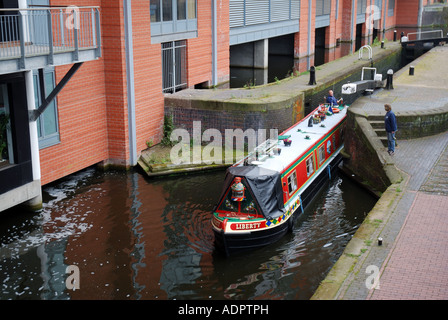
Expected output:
(361, 6)
(251, 12)
(323, 7)
(391, 8)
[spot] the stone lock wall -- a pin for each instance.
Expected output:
(222, 115)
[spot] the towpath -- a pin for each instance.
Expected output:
(411, 217)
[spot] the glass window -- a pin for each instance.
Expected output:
(323, 7)
(310, 166)
(321, 154)
(155, 10)
(47, 123)
(174, 66)
(292, 183)
(361, 6)
(191, 9)
(176, 18)
(6, 151)
(181, 9)
(391, 8)
(167, 9)
(50, 120)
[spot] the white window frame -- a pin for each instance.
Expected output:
(321, 154)
(309, 165)
(292, 183)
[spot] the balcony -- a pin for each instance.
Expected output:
(37, 38)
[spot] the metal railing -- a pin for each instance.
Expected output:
(48, 31)
(174, 66)
(424, 35)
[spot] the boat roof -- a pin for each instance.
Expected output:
(265, 185)
(302, 138)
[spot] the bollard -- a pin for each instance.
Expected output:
(312, 76)
(382, 44)
(401, 36)
(380, 241)
(390, 76)
(411, 70)
(395, 35)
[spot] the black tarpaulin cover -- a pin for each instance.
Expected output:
(265, 185)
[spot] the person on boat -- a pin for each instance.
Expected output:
(331, 100)
(390, 123)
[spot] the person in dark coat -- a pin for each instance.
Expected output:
(390, 123)
(331, 100)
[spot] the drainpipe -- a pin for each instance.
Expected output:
(352, 24)
(129, 47)
(310, 10)
(420, 14)
(214, 44)
(384, 17)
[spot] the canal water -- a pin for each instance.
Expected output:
(135, 238)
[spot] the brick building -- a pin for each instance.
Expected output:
(133, 52)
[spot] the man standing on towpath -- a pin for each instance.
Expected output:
(390, 123)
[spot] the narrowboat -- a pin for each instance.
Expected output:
(264, 193)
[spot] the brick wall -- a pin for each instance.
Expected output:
(149, 106)
(238, 118)
(406, 12)
(82, 113)
(199, 50)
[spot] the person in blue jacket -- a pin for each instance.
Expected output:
(390, 123)
(331, 100)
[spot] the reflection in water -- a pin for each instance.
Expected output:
(134, 238)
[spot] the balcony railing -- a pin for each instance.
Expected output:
(33, 32)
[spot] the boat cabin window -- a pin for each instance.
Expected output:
(310, 166)
(292, 183)
(240, 201)
(328, 147)
(321, 154)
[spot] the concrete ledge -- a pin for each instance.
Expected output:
(422, 124)
(158, 170)
(29, 194)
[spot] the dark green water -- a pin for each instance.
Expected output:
(134, 238)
